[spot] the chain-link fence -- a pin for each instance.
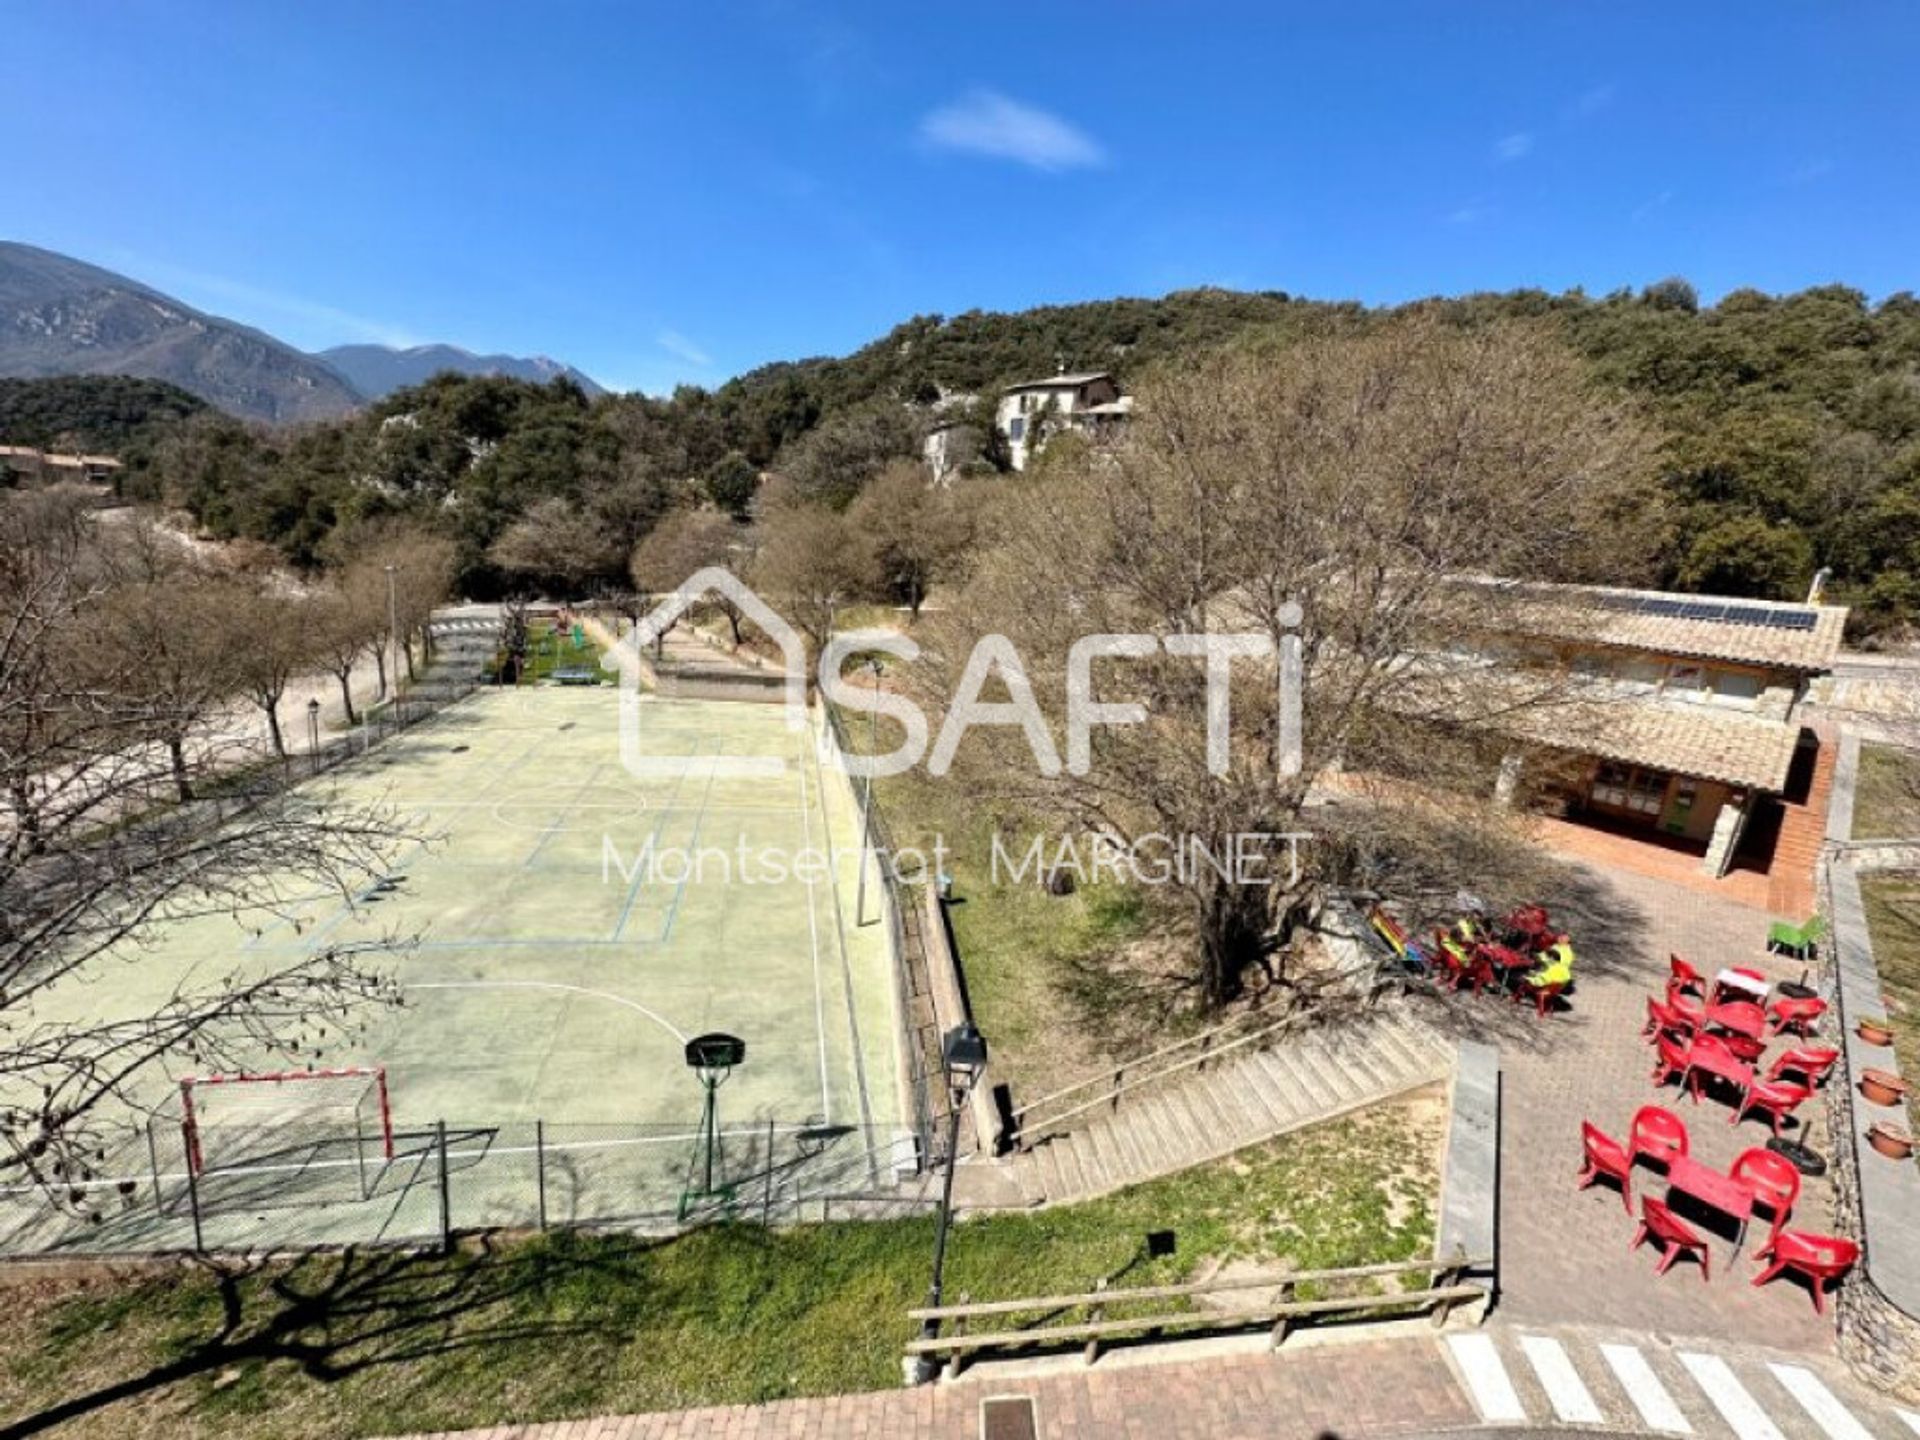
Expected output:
(913, 982)
(312, 1186)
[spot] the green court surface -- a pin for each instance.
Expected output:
(551, 974)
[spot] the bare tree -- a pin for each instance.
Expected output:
(556, 542)
(91, 868)
(342, 632)
(1355, 485)
(685, 542)
(810, 565)
(916, 532)
(272, 643)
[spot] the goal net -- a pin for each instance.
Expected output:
(292, 1129)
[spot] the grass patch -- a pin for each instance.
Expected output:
(1893, 923)
(1043, 972)
(572, 1325)
(1886, 796)
(551, 648)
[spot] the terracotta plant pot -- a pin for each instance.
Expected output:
(1874, 1032)
(1893, 1141)
(1883, 1087)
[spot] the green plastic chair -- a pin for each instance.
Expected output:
(1796, 940)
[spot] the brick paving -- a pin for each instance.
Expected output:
(1375, 1387)
(1563, 1253)
(1780, 882)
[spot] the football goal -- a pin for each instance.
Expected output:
(289, 1124)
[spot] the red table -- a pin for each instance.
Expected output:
(1715, 1188)
(1742, 1017)
(1507, 961)
(1714, 1060)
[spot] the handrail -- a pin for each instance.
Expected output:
(1205, 1035)
(1028, 1132)
(1446, 1290)
(1192, 1287)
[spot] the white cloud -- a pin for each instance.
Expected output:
(1516, 146)
(985, 122)
(681, 348)
(1591, 102)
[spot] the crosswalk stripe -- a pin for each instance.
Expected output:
(1736, 1406)
(1492, 1388)
(1571, 1399)
(1820, 1403)
(1643, 1387)
(1912, 1420)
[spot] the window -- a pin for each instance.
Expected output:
(1687, 681)
(1735, 690)
(1627, 787)
(1016, 428)
(1643, 676)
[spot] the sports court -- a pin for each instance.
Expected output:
(552, 974)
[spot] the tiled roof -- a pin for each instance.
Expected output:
(1757, 632)
(1745, 750)
(1061, 382)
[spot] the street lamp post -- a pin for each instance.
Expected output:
(313, 731)
(866, 797)
(963, 1053)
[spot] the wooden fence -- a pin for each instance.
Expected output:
(1056, 1318)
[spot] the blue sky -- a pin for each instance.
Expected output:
(678, 193)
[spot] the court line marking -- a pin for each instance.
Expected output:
(1491, 1387)
(1656, 1405)
(1820, 1403)
(607, 995)
(1571, 1400)
(813, 943)
(1732, 1399)
(639, 872)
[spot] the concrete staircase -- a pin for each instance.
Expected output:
(1201, 1105)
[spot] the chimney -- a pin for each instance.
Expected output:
(1819, 586)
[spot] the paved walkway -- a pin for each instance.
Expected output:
(1239, 1396)
(1540, 1377)
(1563, 1253)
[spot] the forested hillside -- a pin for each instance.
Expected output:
(104, 413)
(1792, 431)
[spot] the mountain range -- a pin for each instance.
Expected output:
(61, 316)
(376, 370)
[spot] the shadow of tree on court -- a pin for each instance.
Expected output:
(339, 1314)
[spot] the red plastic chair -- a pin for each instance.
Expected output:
(1777, 1098)
(1771, 1180)
(1795, 1014)
(1657, 1133)
(1675, 1238)
(1606, 1157)
(1453, 967)
(1662, 1016)
(1818, 1257)
(1672, 1059)
(1744, 1050)
(1685, 977)
(1811, 1062)
(1691, 1006)
(1543, 997)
